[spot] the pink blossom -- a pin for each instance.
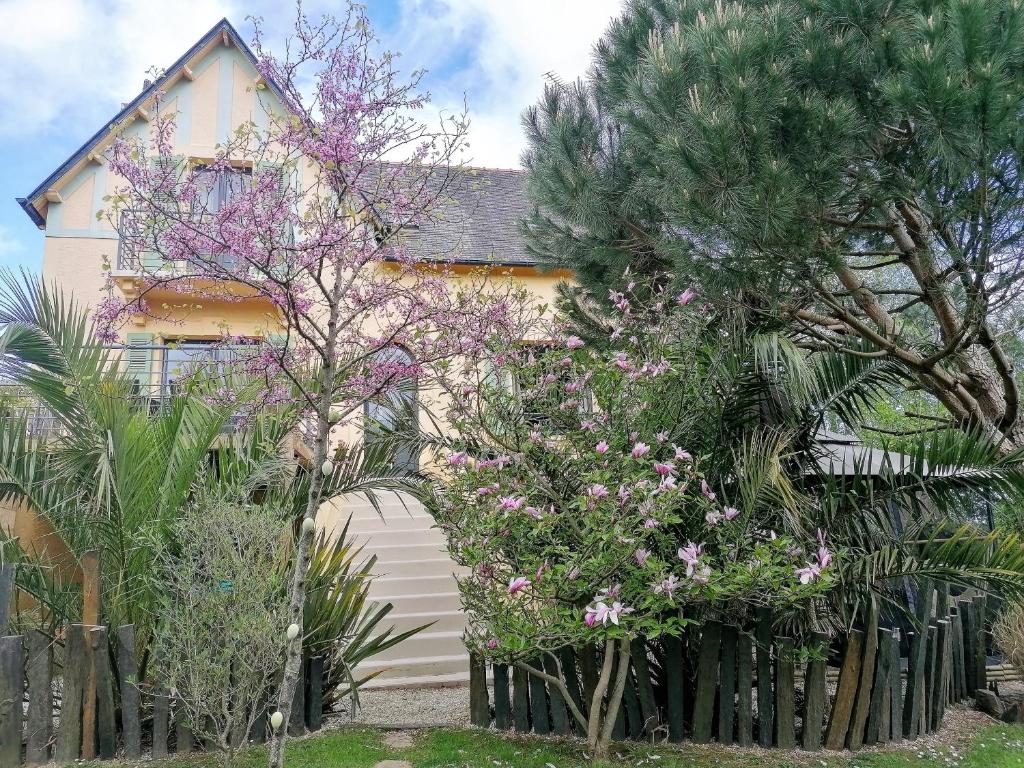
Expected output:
(702, 576)
(640, 449)
(706, 490)
(661, 437)
(642, 555)
(690, 554)
(518, 584)
(574, 342)
(685, 297)
(664, 468)
(824, 556)
(573, 574)
(808, 573)
(713, 518)
(597, 491)
(603, 613)
(511, 502)
(667, 586)
(731, 513)
(601, 447)
(488, 489)
(650, 522)
(682, 455)
(668, 483)
(533, 512)
(492, 643)
(458, 459)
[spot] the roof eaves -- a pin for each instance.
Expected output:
(220, 27)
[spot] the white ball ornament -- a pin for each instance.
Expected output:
(293, 631)
(308, 525)
(327, 468)
(275, 720)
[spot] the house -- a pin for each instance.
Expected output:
(213, 88)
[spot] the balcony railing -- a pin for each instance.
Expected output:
(136, 250)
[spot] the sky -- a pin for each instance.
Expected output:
(67, 65)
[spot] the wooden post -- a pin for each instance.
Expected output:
(315, 704)
(707, 682)
(6, 596)
(929, 677)
(674, 687)
(161, 722)
(956, 632)
(106, 720)
(560, 718)
(942, 673)
(846, 692)
(521, 699)
(727, 686)
(69, 730)
(968, 622)
(40, 697)
(745, 690)
(879, 709)
(785, 695)
(572, 680)
(895, 690)
(12, 694)
(981, 644)
(644, 686)
(90, 618)
(127, 680)
(502, 709)
(913, 710)
(765, 699)
(479, 707)
(858, 724)
(814, 695)
(539, 702)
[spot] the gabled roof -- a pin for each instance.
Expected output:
(222, 29)
(476, 220)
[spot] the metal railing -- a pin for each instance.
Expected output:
(137, 249)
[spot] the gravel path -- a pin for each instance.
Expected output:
(397, 707)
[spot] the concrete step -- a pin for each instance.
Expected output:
(439, 601)
(410, 585)
(417, 666)
(440, 621)
(397, 524)
(396, 537)
(422, 568)
(424, 645)
(450, 679)
(388, 554)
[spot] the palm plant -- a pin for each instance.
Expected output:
(115, 472)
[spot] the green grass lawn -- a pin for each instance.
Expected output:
(993, 747)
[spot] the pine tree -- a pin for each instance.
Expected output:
(851, 167)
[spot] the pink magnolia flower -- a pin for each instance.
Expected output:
(518, 584)
(713, 518)
(808, 573)
(492, 643)
(706, 490)
(573, 574)
(668, 483)
(731, 513)
(602, 447)
(458, 459)
(666, 587)
(664, 468)
(603, 613)
(650, 522)
(640, 449)
(702, 576)
(661, 437)
(686, 297)
(533, 512)
(511, 502)
(690, 554)
(488, 489)
(597, 491)
(824, 556)
(574, 342)
(642, 555)
(682, 455)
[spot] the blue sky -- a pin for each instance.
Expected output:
(66, 66)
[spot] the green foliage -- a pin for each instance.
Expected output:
(220, 638)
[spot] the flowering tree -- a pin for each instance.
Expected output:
(583, 519)
(310, 213)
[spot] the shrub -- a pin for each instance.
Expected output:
(1008, 633)
(220, 644)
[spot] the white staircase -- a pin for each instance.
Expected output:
(415, 574)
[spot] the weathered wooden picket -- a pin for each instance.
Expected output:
(80, 698)
(702, 685)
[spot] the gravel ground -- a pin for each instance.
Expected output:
(398, 707)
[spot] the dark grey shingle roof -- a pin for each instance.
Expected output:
(476, 220)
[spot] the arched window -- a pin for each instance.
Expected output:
(394, 409)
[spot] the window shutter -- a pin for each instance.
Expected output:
(278, 171)
(138, 359)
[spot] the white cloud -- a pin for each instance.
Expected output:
(62, 61)
(508, 48)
